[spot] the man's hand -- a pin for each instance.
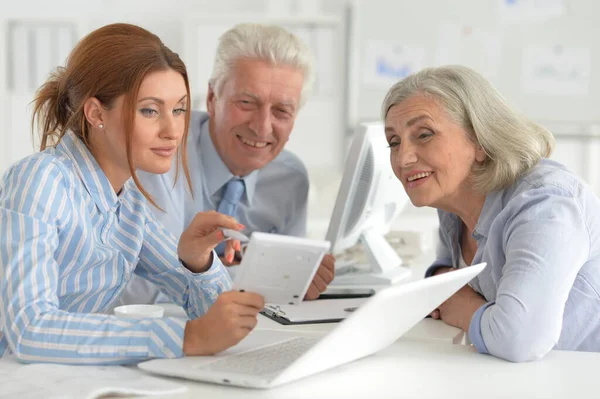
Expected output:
(233, 257)
(458, 310)
(202, 236)
(227, 322)
(226, 262)
(323, 277)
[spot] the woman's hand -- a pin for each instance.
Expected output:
(458, 310)
(202, 236)
(440, 270)
(227, 322)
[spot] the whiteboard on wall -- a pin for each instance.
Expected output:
(540, 54)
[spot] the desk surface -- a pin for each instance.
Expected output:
(418, 369)
(425, 364)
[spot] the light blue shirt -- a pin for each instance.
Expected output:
(540, 238)
(68, 247)
(275, 199)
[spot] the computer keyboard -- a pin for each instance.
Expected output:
(265, 360)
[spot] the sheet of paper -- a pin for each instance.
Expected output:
(522, 11)
(557, 70)
(53, 381)
(324, 309)
(472, 46)
(385, 63)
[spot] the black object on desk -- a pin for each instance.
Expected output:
(280, 317)
(344, 293)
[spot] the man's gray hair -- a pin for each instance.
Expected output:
(513, 144)
(269, 43)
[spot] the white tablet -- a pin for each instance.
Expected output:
(278, 267)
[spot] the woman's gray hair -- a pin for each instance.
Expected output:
(513, 144)
(270, 43)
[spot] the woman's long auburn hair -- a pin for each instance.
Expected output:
(109, 62)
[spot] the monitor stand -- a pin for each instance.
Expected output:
(385, 266)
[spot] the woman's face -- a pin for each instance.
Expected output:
(158, 124)
(430, 153)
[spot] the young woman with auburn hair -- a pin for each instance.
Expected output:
(75, 220)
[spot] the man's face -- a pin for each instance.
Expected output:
(252, 117)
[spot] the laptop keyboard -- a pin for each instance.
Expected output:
(265, 360)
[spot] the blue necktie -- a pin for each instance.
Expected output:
(232, 193)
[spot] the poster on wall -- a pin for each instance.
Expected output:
(556, 70)
(385, 63)
(472, 46)
(520, 11)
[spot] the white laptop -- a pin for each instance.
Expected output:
(267, 358)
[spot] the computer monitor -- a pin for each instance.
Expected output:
(369, 200)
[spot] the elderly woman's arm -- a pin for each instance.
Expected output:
(546, 243)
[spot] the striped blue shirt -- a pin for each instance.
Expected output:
(68, 247)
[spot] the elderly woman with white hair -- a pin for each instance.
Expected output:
(458, 147)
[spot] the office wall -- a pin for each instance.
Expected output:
(539, 54)
(475, 32)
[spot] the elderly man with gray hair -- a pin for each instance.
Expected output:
(261, 77)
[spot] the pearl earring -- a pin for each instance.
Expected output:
(101, 126)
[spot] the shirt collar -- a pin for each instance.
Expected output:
(95, 181)
(491, 207)
(216, 173)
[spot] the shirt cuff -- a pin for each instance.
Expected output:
(215, 273)
(205, 287)
(475, 329)
(215, 263)
(166, 337)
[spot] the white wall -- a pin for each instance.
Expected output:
(320, 136)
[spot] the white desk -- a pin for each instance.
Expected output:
(425, 364)
(417, 369)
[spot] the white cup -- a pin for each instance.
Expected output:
(137, 311)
